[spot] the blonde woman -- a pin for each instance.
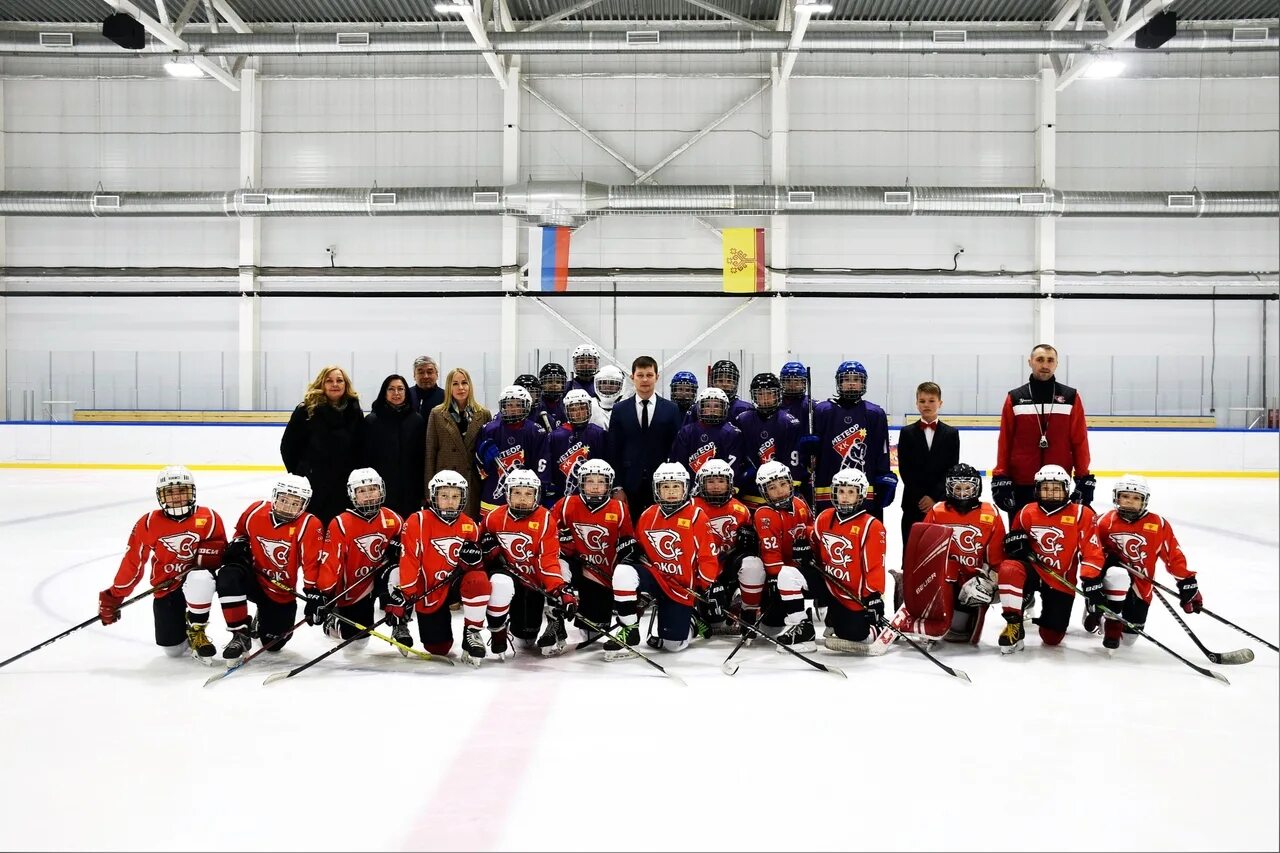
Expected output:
(452, 431)
(323, 440)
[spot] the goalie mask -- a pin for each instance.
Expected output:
(447, 495)
(609, 385)
(964, 487)
(289, 497)
(1130, 495)
(176, 492)
(715, 482)
(366, 492)
(848, 490)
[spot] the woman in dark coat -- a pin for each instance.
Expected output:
(395, 445)
(322, 440)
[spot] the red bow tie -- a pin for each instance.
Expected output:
(924, 425)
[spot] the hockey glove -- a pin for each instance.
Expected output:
(209, 553)
(886, 485)
(874, 605)
(108, 607)
(802, 553)
(566, 538)
(391, 554)
(1002, 493)
(487, 452)
(1094, 592)
(746, 541)
(717, 600)
(1017, 545)
(238, 553)
(470, 554)
(316, 607)
(397, 607)
(977, 591)
(488, 543)
(566, 601)
(1084, 490)
(626, 550)
(807, 445)
(1189, 594)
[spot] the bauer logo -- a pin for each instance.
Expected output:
(372, 545)
(665, 543)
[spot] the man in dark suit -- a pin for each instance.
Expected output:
(641, 431)
(926, 450)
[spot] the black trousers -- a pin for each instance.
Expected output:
(171, 618)
(275, 619)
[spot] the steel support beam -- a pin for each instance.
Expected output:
(249, 372)
(1065, 13)
(778, 236)
(688, 143)
(184, 16)
(229, 15)
(706, 333)
(162, 33)
(1105, 15)
(580, 6)
(475, 25)
(578, 333)
(803, 12)
(1122, 32)
(1046, 227)
(725, 13)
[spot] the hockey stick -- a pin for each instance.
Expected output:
(1217, 676)
(166, 584)
(742, 641)
(822, 667)
(405, 650)
(1207, 612)
(1237, 656)
(519, 576)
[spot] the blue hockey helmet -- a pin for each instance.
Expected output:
(854, 375)
(684, 388)
(795, 379)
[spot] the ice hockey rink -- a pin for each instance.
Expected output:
(109, 745)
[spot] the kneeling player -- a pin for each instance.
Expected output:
(734, 539)
(677, 559)
(851, 546)
(955, 609)
(362, 549)
(273, 541)
(784, 526)
(595, 535)
(1135, 538)
(180, 537)
(520, 536)
(1052, 535)
(438, 542)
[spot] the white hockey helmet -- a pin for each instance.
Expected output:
(290, 485)
(670, 472)
(514, 404)
(577, 407)
(522, 478)
(609, 381)
(360, 479)
(712, 406)
(846, 478)
(1053, 474)
(773, 471)
(713, 469)
(176, 491)
(1137, 484)
(446, 479)
(586, 361)
(594, 468)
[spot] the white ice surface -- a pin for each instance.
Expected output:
(107, 744)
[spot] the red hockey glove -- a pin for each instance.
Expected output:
(1189, 595)
(566, 601)
(108, 607)
(209, 553)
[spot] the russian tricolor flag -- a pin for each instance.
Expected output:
(549, 258)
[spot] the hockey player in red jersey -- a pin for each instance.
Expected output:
(1132, 536)
(274, 541)
(959, 608)
(179, 537)
(1053, 534)
(363, 544)
(596, 534)
(731, 533)
(441, 563)
(676, 558)
(520, 537)
(851, 547)
(784, 526)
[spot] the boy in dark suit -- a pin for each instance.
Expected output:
(926, 450)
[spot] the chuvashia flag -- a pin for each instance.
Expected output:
(743, 260)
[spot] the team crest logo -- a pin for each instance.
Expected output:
(966, 537)
(447, 547)
(592, 536)
(572, 458)
(372, 545)
(512, 457)
(724, 527)
(851, 447)
(277, 551)
(518, 545)
(665, 543)
(1049, 539)
(837, 548)
(1132, 546)
(702, 456)
(767, 451)
(183, 545)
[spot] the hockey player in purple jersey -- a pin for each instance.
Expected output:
(709, 437)
(586, 364)
(507, 442)
(684, 390)
(549, 412)
(852, 433)
(795, 392)
(769, 434)
(724, 375)
(570, 444)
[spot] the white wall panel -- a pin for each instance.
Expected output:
(875, 242)
(88, 242)
(382, 241)
(1168, 245)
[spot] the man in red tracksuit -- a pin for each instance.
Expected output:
(1042, 424)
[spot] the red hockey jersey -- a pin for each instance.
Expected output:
(977, 538)
(1141, 544)
(851, 554)
(528, 545)
(778, 529)
(354, 550)
(280, 550)
(595, 534)
(679, 550)
(725, 521)
(1063, 540)
(171, 546)
(429, 555)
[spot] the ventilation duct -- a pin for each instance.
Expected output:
(573, 202)
(648, 41)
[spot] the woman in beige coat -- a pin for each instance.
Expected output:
(452, 431)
